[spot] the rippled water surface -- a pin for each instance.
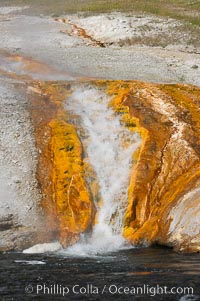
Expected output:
(23, 274)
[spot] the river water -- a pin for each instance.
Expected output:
(46, 277)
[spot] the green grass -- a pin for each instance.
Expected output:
(186, 10)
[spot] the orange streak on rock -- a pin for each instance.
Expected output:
(167, 165)
(60, 171)
(73, 204)
(168, 162)
(26, 68)
(169, 159)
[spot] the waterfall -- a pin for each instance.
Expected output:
(109, 147)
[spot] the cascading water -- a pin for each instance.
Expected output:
(110, 147)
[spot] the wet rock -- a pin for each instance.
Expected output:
(20, 239)
(163, 201)
(164, 198)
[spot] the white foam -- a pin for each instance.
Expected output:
(110, 147)
(43, 248)
(101, 241)
(31, 262)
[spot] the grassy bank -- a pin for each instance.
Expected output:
(186, 10)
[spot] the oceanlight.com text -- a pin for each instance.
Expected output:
(111, 289)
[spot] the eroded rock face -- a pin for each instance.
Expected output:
(61, 172)
(163, 193)
(163, 202)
